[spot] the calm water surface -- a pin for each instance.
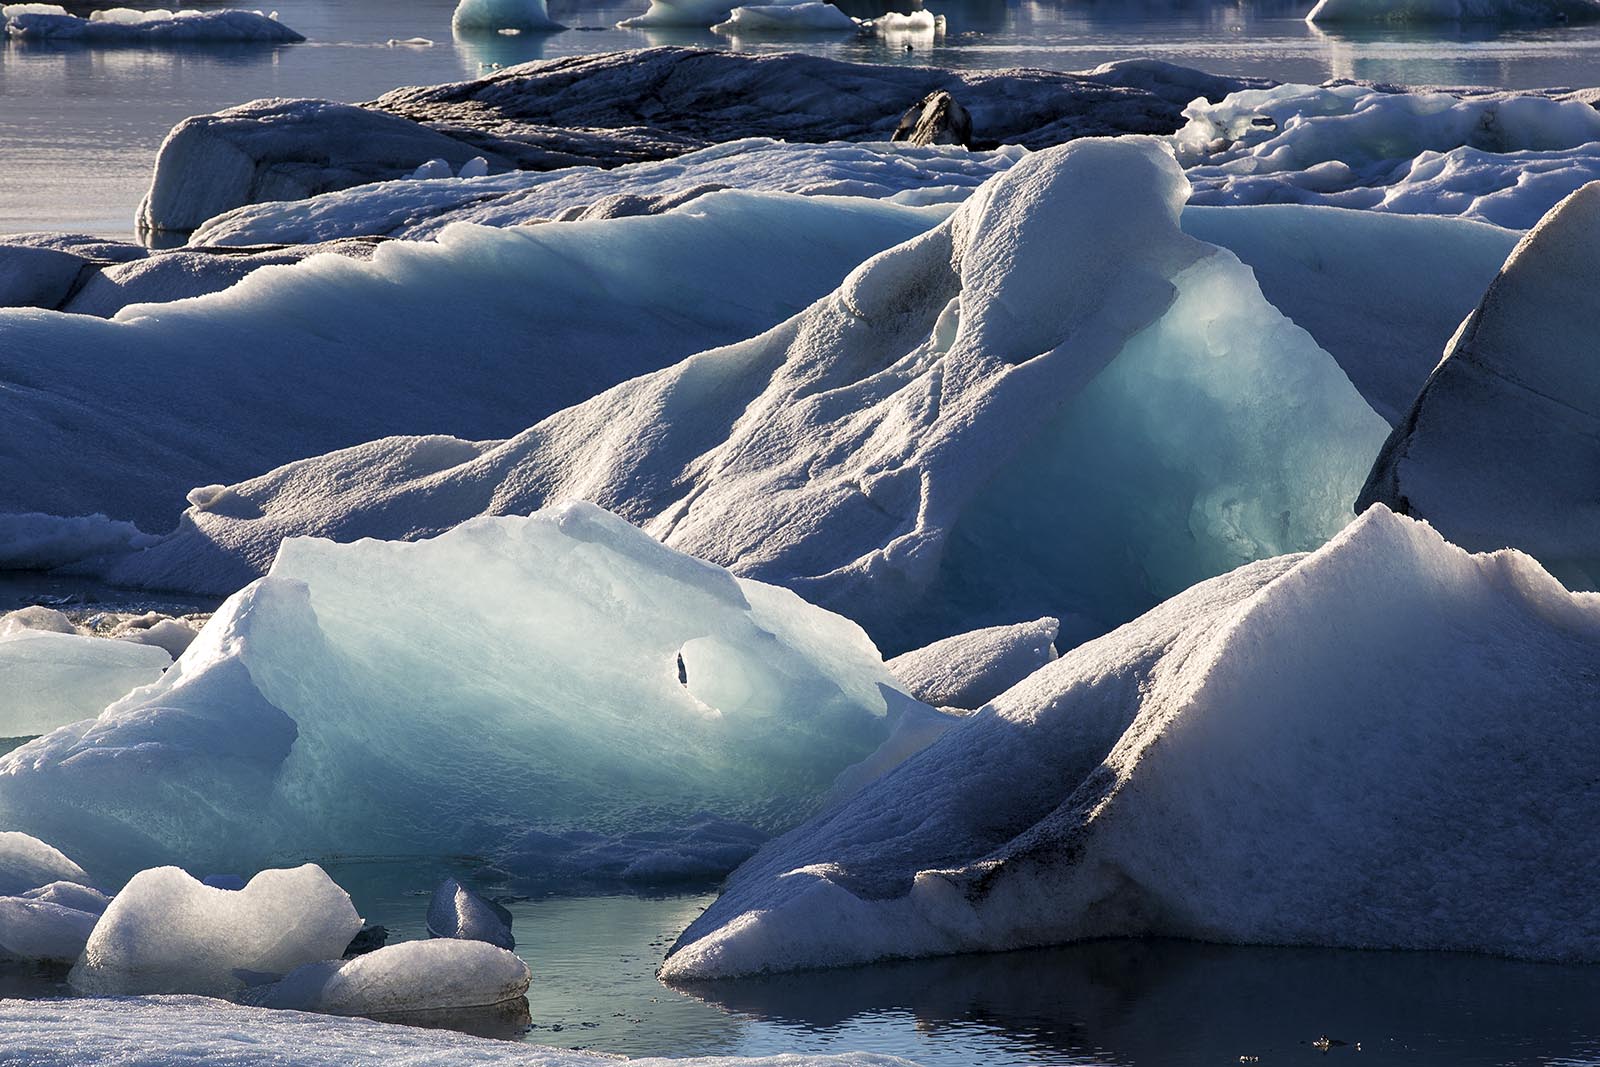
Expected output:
(79, 126)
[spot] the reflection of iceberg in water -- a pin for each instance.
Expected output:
(500, 49)
(1405, 55)
(1125, 1002)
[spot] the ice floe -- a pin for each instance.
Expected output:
(416, 976)
(1208, 772)
(802, 16)
(40, 22)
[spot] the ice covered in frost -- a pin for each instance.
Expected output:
(1503, 444)
(71, 895)
(416, 976)
(143, 408)
(457, 912)
(167, 933)
(27, 863)
(491, 15)
(1057, 357)
(805, 16)
(1341, 11)
(199, 1032)
(1250, 762)
(901, 173)
(970, 669)
(515, 669)
(50, 679)
(32, 22)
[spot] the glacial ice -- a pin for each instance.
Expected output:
(802, 16)
(527, 16)
(42, 932)
(1208, 772)
(970, 669)
(684, 13)
(1502, 446)
(167, 933)
(1345, 11)
(115, 26)
(27, 863)
(1057, 355)
(516, 669)
(457, 912)
(32, 541)
(51, 679)
(71, 895)
(125, 416)
(196, 1031)
(415, 976)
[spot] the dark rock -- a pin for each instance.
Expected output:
(368, 939)
(935, 119)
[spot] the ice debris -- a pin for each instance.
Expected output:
(414, 976)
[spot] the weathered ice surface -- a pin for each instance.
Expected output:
(50, 679)
(553, 673)
(37, 931)
(28, 863)
(1502, 446)
(167, 933)
(1058, 356)
(625, 107)
(416, 976)
(970, 669)
(1210, 771)
(491, 16)
(457, 912)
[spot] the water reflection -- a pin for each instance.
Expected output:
(486, 51)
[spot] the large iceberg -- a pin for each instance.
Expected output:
(1293, 753)
(50, 679)
(1055, 403)
(1502, 446)
(558, 672)
(121, 25)
(526, 16)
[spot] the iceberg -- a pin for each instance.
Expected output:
(1358, 11)
(1209, 772)
(1057, 356)
(807, 16)
(37, 931)
(970, 669)
(417, 976)
(125, 26)
(525, 16)
(51, 679)
(167, 933)
(697, 14)
(517, 669)
(1502, 444)
(27, 863)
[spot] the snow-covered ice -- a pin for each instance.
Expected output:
(527, 16)
(28, 863)
(415, 976)
(33, 541)
(50, 679)
(970, 669)
(1210, 772)
(36, 22)
(1502, 446)
(516, 669)
(802, 16)
(167, 933)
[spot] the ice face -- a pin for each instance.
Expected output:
(50, 679)
(516, 671)
(1210, 772)
(412, 977)
(1502, 444)
(491, 15)
(27, 863)
(167, 933)
(967, 670)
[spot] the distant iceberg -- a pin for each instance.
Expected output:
(1365, 11)
(803, 16)
(121, 25)
(526, 16)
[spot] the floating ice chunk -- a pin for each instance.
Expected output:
(35, 619)
(807, 16)
(27, 863)
(71, 895)
(476, 167)
(167, 933)
(1251, 762)
(457, 912)
(1502, 444)
(127, 26)
(970, 669)
(35, 542)
(39, 931)
(691, 13)
(543, 660)
(411, 977)
(1340, 11)
(524, 15)
(50, 679)
(433, 168)
(410, 42)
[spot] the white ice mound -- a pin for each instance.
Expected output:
(1340, 11)
(807, 16)
(1502, 447)
(32, 22)
(417, 976)
(1055, 403)
(27, 863)
(167, 933)
(50, 679)
(970, 669)
(1422, 152)
(38, 931)
(1293, 753)
(684, 13)
(561, 671)
(100, 1032)
(493, 15)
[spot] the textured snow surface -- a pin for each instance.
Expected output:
(50, 679)
(1503, 445)
(415, 976)
(1209, 772)
(443, 696)
(33, 22)
(1338, 11)
(198, 1032)
(167, 933)
(28, 863)
(472, 335)
(1056, 356)
(420, 209)
(970, 669)
(1505, 159)
(492, 15)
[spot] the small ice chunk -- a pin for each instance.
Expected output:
(167, 933)
(170, 635)
(36, 617)
(433, 168)
(476, 167)
(414, 976)
(71, 895)
(26, 862)
(36, 930)
(457, 912)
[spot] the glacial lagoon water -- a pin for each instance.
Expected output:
(79, 126)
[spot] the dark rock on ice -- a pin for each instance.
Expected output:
(935, 119)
